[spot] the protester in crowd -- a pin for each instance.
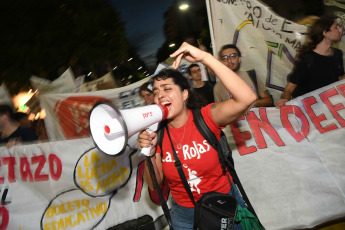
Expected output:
(23, 119)
(11, 131)
(318, 63)
(40, 130)
(146, 93)
(204, 89)
(230, 56)
(171, 89)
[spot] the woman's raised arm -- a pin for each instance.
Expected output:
(242, 95)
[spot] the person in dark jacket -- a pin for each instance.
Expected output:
(11, 132)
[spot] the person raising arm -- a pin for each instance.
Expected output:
(171, 89)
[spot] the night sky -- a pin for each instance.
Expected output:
(144, 22)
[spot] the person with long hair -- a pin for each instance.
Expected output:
(199, 159)
(318, 63)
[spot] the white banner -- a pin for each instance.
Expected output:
(5, 97)
(71, 185)
(107, 81)
(268, 42)
(67, 115)
(291, 160)
(63, 84)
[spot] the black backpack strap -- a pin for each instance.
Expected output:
(160, 194)
(160, 134)
(221, 147)
(252, 75)
(180, 170)
(211, 138)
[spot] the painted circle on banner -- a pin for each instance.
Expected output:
(75, 210)
(99, 174)
(73, 115)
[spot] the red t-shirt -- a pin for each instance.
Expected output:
(198, 158)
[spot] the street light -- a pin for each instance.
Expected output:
(183, 6)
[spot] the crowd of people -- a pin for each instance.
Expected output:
(318, 64)
(16, 128)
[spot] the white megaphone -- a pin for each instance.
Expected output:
(110, 128)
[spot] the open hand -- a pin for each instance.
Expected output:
(188, 52)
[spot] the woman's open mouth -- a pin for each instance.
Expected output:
(166, 104)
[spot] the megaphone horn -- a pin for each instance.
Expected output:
(110, 128)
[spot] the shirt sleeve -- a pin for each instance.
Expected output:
(298, 72)
(206, 114)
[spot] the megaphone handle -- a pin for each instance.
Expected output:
(147, 151)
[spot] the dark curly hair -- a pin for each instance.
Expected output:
(194, 101)
(315, 33)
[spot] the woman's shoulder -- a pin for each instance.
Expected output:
(337, 52)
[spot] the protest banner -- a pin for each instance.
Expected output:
(289, 160)
(71, 185)
(63, 84)
(267, 41)
(104, 82)
(5, 97)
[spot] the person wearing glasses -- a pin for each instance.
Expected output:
(318, 63)
(230, 56)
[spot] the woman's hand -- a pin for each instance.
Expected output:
(146, 139)
(188, 52)
(281, 103)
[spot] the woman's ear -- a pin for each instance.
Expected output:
(185, 95)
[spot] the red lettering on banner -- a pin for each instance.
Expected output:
(341, 89)
(284, 112)
(307, 103)
(10, 161)
(55, 168)
(333, 108)
(4, 218)
(2, 180)
(41, 160)
(25, 171)
(54, 159)
(256, 125)
(240, 139)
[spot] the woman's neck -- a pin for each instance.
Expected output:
(324, 48)
(179, 120)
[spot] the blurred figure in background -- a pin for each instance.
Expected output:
(146, 93)
(23, 119)
(12, 133)
(40, 130)
(318, 63)
(204, 89)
